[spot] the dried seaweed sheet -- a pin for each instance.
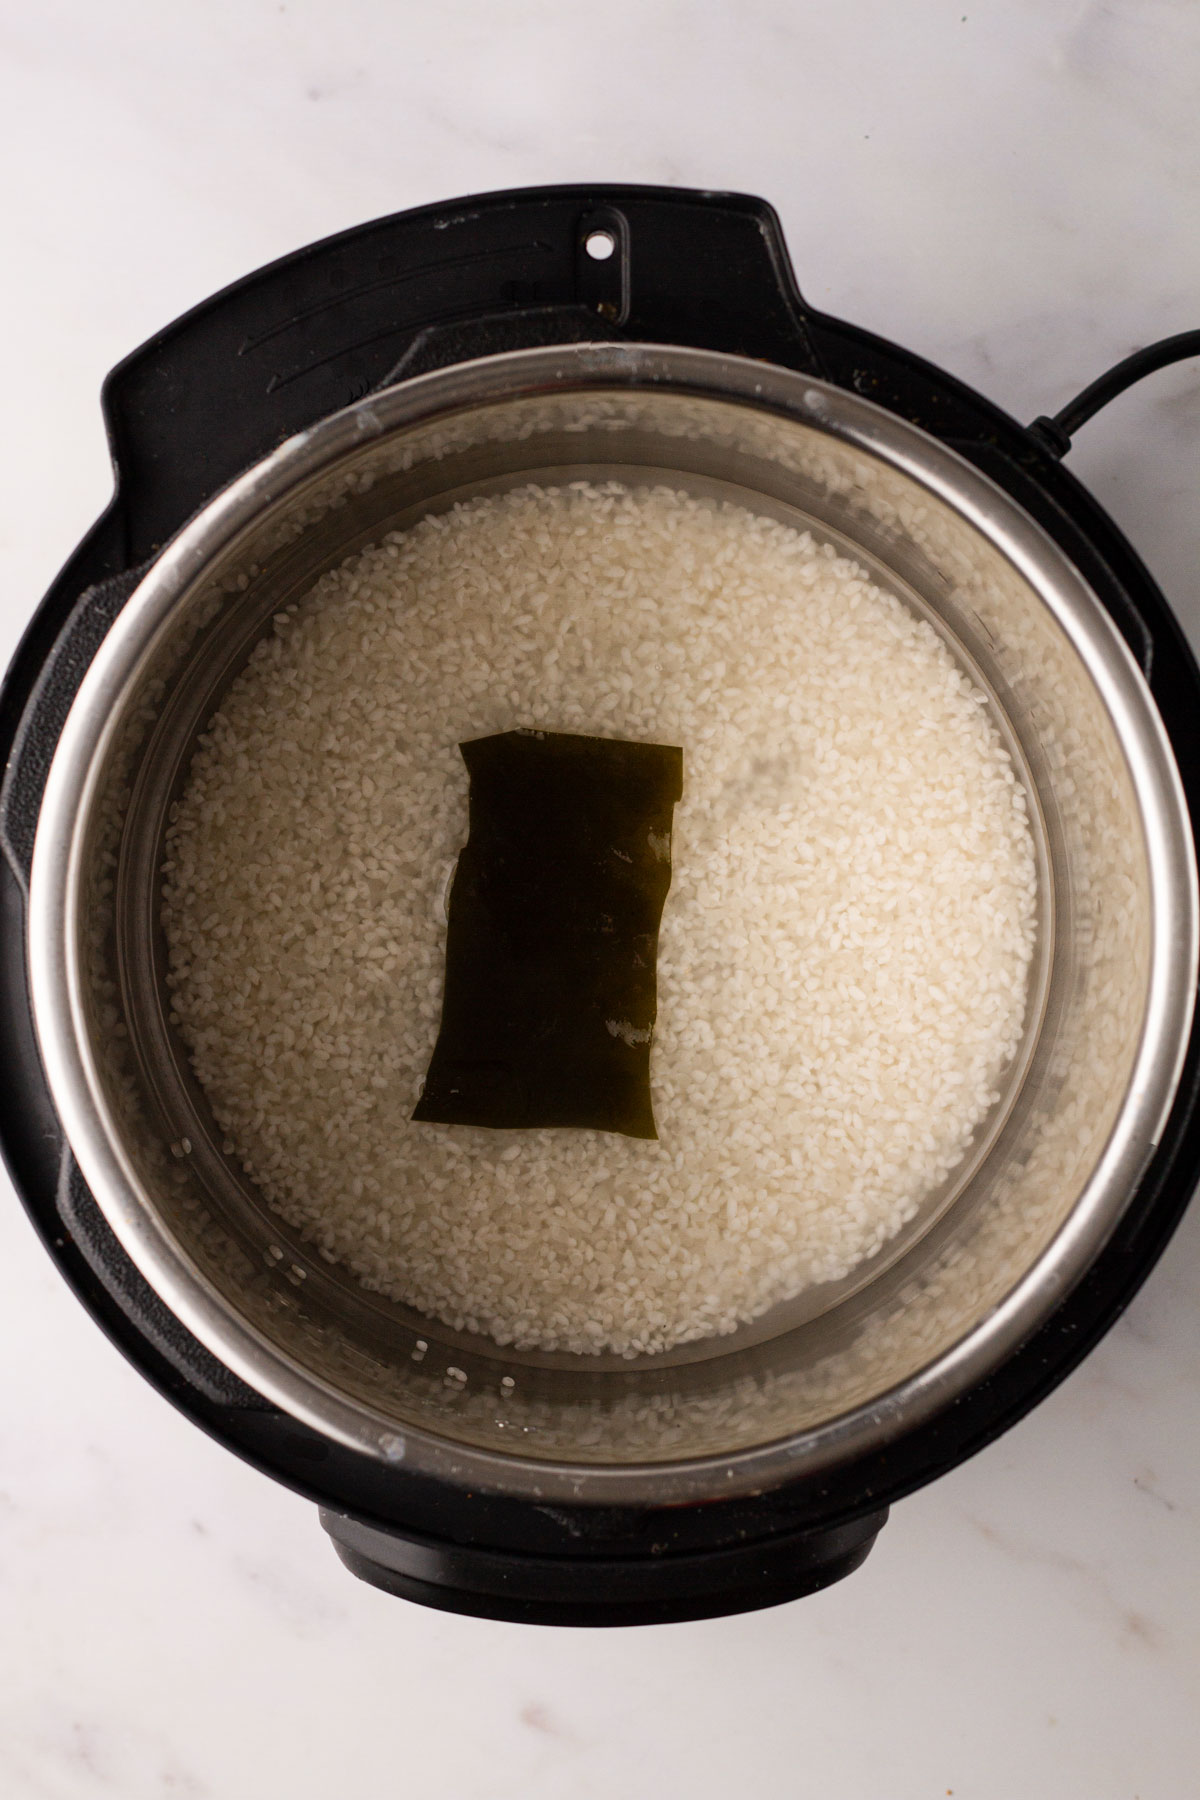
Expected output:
(554, 911)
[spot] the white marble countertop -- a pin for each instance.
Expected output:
(1010, 188)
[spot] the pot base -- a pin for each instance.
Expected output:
(660, 1589)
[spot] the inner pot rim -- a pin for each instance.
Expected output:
(56, 889)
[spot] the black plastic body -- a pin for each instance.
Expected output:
(201, 402)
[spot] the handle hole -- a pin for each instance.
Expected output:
(599, 245)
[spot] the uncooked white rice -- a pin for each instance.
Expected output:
(844, 951)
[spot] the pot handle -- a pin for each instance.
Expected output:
(40, 724)
(651, 265)
(214, 392)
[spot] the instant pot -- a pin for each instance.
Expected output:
(563, 333)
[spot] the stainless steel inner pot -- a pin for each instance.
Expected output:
(844, 1370)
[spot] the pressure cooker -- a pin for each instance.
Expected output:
(345, 392)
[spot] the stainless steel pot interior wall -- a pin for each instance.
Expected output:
(1109, 1013)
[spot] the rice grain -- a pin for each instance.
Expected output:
(844, 952)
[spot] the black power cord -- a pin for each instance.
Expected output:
(1055, 434)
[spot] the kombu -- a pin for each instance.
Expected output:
(553, 916)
